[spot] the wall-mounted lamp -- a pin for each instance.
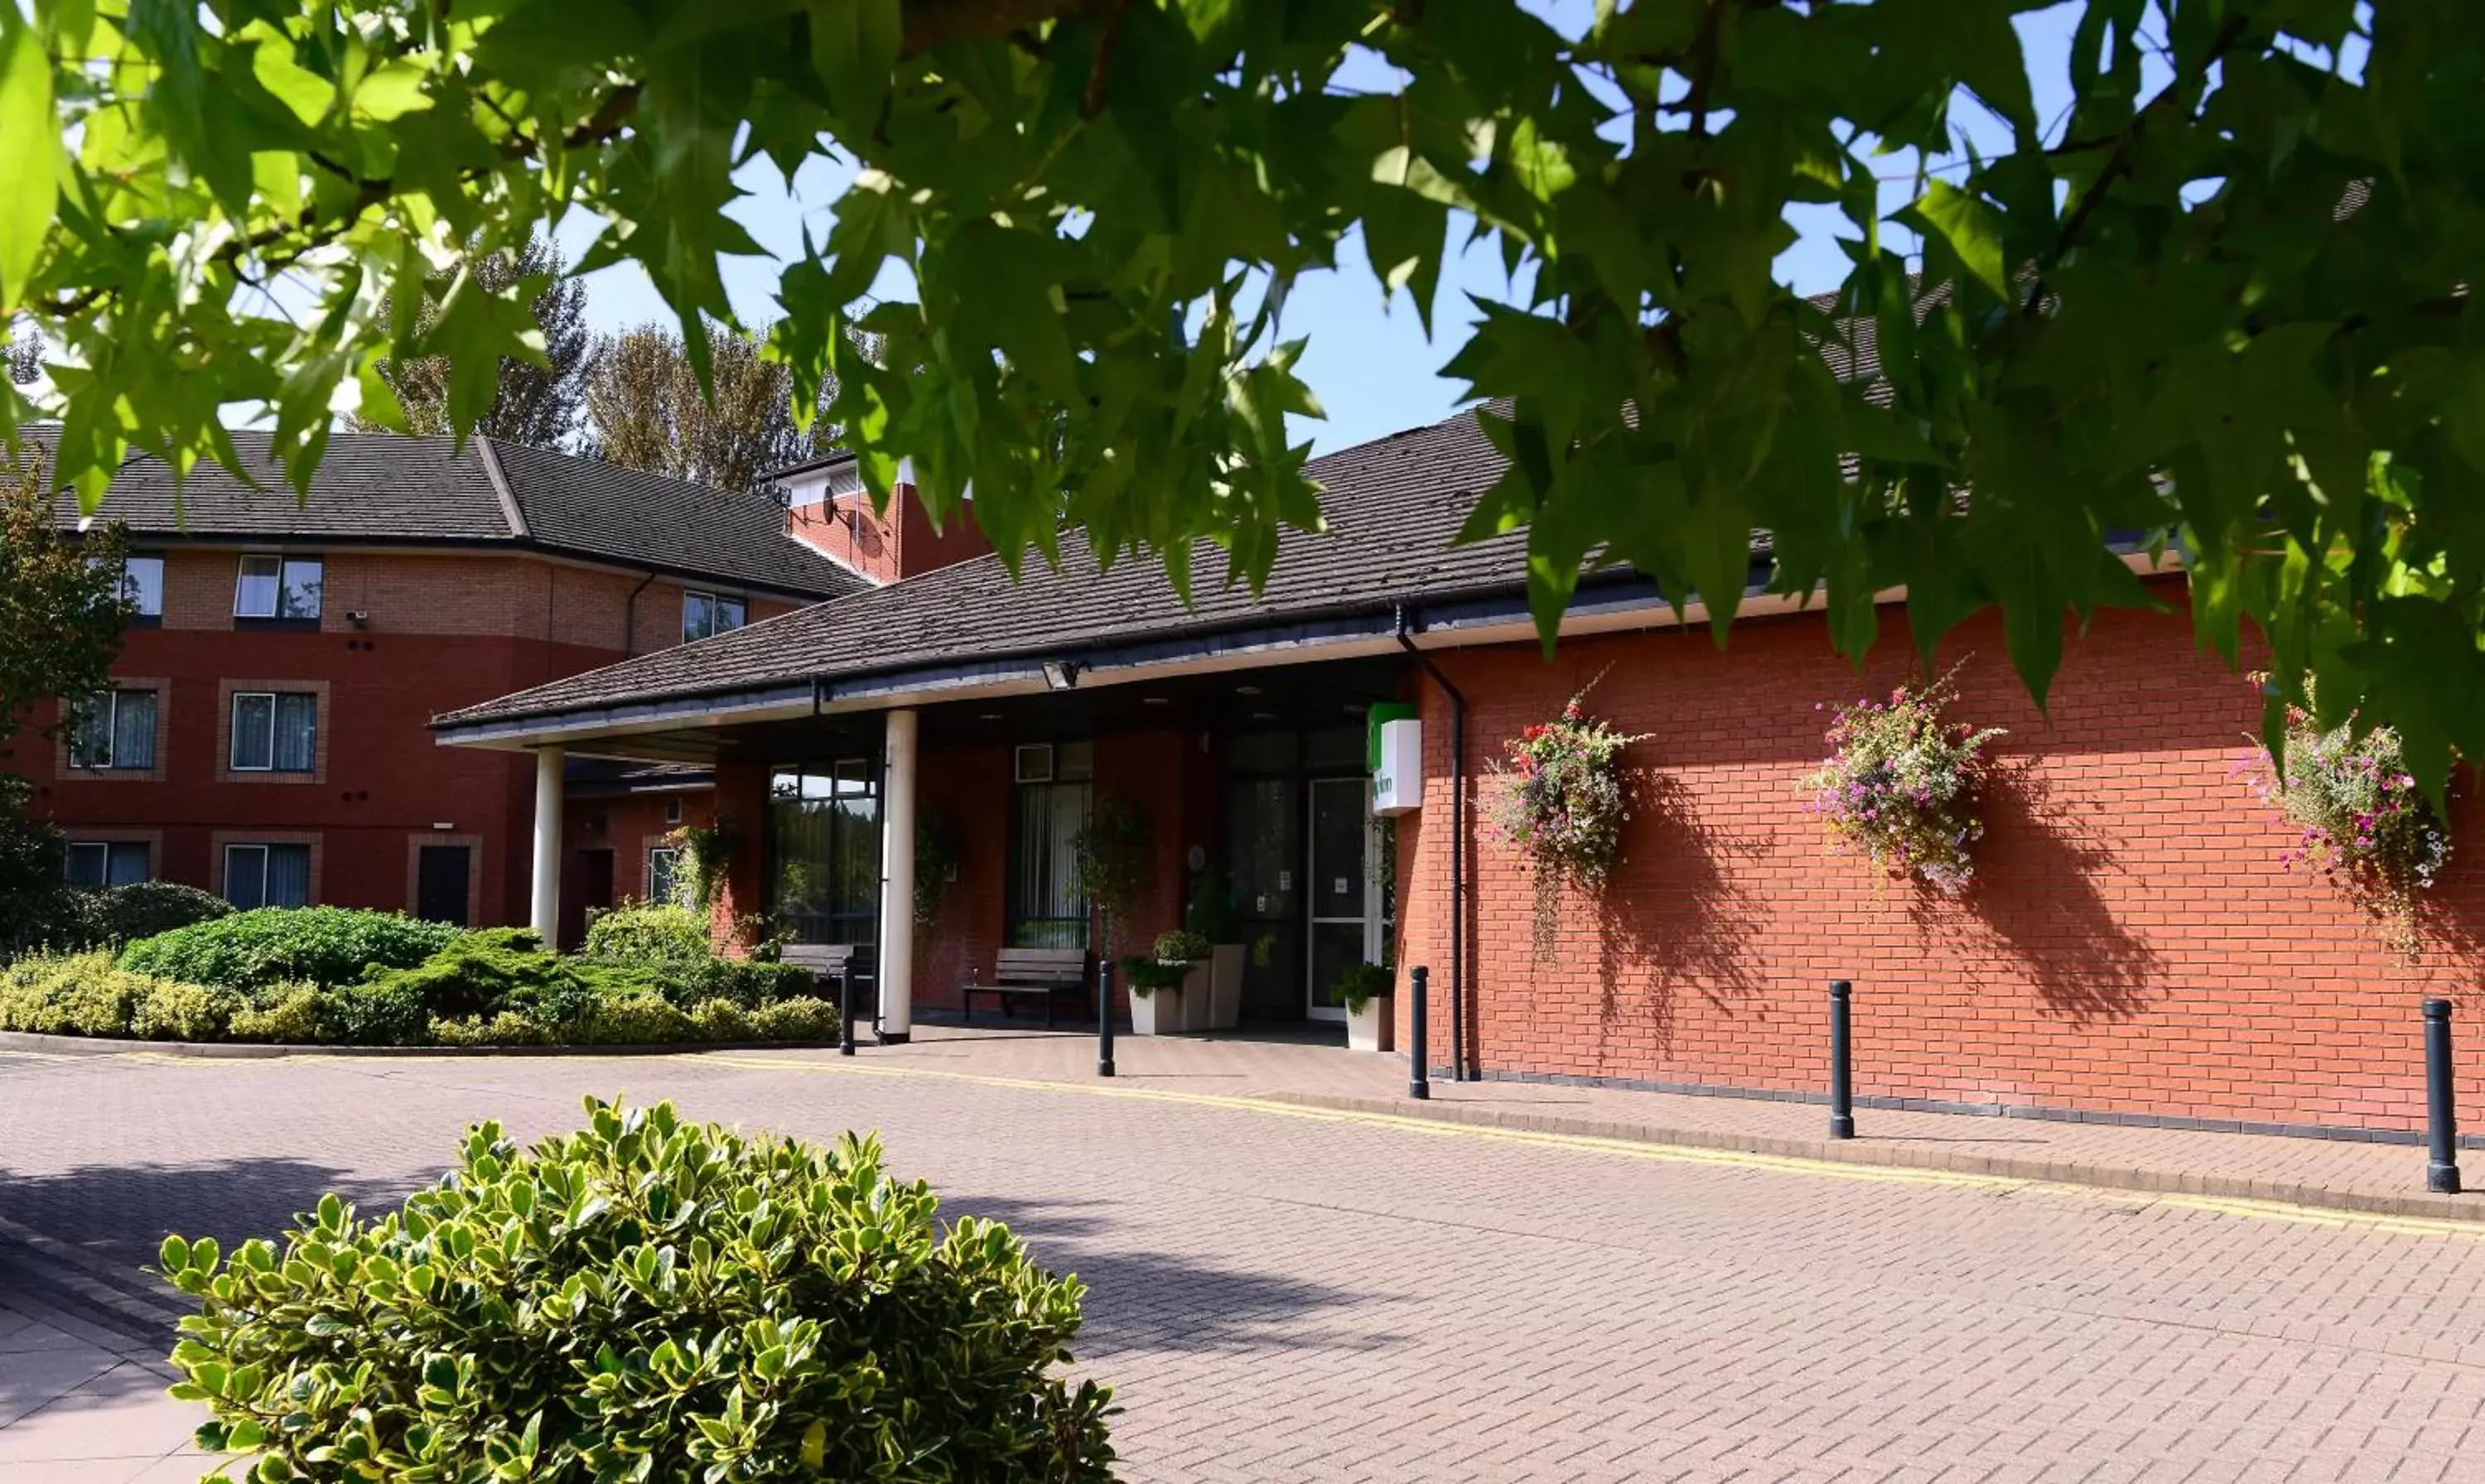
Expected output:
(1062, 674)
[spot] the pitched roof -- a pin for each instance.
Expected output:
(1393, 506)
(383, 489)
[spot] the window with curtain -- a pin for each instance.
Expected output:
(705, 615)
(275, 731)
(258, 875)
(825, 825)
(271, 586)
(1045, 908)
(115, 729)
(96, 864)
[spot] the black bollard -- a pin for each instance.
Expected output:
(1104, 1017)
(2441, 1168)
(1419, 1072)
(845, 1008)
(1841, 1075)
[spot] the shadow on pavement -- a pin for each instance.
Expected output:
(1160, 1300)
(122, 1213)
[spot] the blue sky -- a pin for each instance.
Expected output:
(1367, 359)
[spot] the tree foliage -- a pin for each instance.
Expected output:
(646, 409)
(62, 608)
(538, 403)
(2153, 313)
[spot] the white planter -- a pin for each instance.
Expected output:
(1374, 1027)
(1156, 1014)
(1225, 986)
(1198, 1008)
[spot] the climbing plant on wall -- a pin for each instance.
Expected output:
(1565, 807)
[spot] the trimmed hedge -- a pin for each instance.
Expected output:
(649, 932)
(324, 945)
(644, 1299)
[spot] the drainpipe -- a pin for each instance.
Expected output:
(630, 618)
(1459, 1038)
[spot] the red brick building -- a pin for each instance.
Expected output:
(265, 734)
(2133, 947)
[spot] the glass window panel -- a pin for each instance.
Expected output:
(124, 862)
(699, 616)
(1340, 829)
(133, 729)
(91, 731)
(288, 876)
(1336, 749)
(661, 865)
(142, 583)
(1259, 752)
(88, 863)
(297, 733)
(254, 595)
(254, 731)
(730, 613)
(303, 584)
(246, 876)
(1074, 761)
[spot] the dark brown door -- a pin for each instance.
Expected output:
(440, 878)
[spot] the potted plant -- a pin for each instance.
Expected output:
(1190, 949)
(1215, 919)
(1363, 992)
(1155, 995)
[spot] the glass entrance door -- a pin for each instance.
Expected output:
(1344, 900)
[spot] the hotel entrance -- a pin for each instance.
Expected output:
(1304, 858)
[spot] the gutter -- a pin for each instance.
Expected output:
(1458, 851)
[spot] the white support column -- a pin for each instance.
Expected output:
(544, 916)
(897, 888)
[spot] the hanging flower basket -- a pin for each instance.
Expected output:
(2362, 822)
(1900, 784)
(1564, 810)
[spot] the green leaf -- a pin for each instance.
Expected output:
(30, 164)
(1970, 227)
(855, 46)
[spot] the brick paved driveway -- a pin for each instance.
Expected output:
(1313, 1298)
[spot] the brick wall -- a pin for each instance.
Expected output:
(442, 631)
(884, 547)
(2131, 943)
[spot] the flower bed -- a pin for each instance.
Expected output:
(277, 976)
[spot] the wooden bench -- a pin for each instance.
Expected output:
(828, 962)
(1045, 974)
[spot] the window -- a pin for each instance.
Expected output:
(141, 584)
(674, 810)
(1046, 909)
(663, 864)
(826, 825)
(275, 731)
(258, 875)
(115, 729)
(286, 587)
(99, 863)
(705, 615)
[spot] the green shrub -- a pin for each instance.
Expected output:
(722, 1020)
(324, 945)
(170, 1010)
(746, 981)
(485, 973)
(739, 1309)
(289, 1014)
(508, 1028)
(70, 994)
(384, 1011)
(650, 932)
(631, 1020)
(142, 909)
(796, 1020)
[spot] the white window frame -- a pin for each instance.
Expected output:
(672, 856)
(284, 562)
(714, 600)
(110, 696)
(263, 848)
(275, 703)
(107, 847)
